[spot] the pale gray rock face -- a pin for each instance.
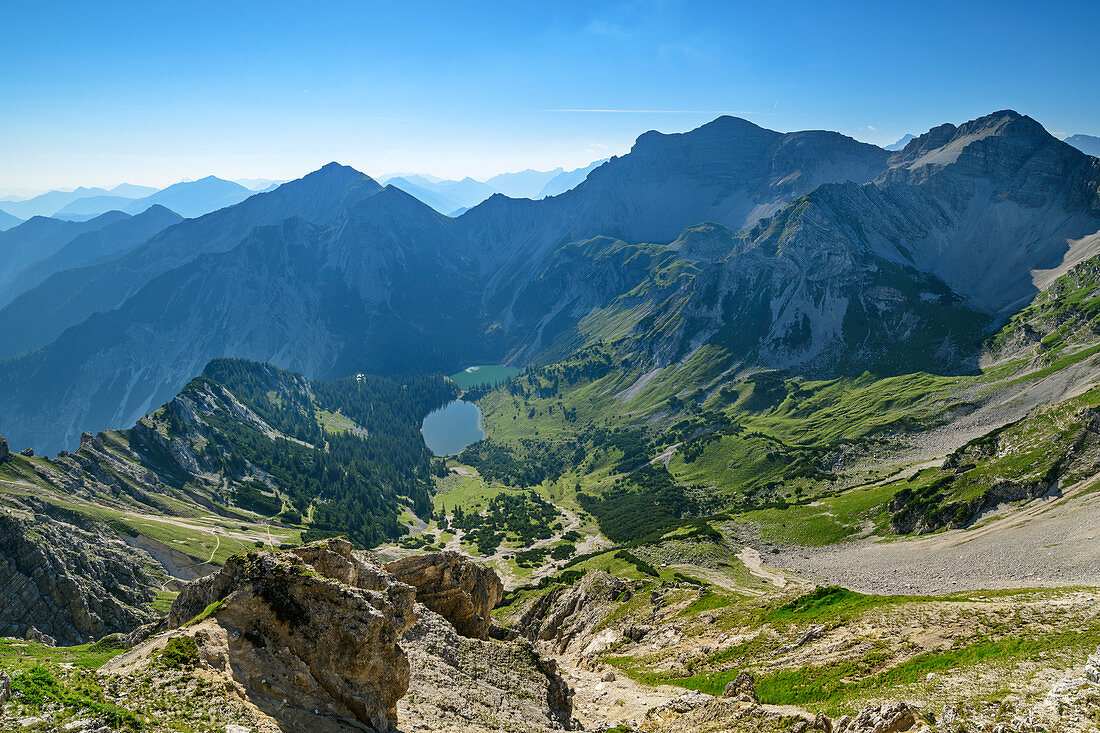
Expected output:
(1009, 197)
(852, 274)
(1092, 667)
(70, 583)
(889, 717)
(564, 617)
(469, 685)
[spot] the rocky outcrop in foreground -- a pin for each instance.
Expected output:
(321, 638)
(456, 589)
(309, 637)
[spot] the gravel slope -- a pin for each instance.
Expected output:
(1052, 541)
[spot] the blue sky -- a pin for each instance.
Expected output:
(99, 93)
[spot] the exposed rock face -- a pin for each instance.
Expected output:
(3, 449)
(465, 685)
(320, 638)
(5, 689)
(564, 616)
(453, 586)
(69, 583)
(744, 684)
(890, 717)
(310, 637)
(333, 559)
(1092, 667)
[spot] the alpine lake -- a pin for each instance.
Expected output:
(448, 430)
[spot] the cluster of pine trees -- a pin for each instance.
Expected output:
(340, 482)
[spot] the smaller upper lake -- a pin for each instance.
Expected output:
(451, 428)
(484, 375)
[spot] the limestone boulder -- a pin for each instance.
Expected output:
(743, 685)
(889, 717)
(453, 586)
(1092, 667)
(310, 637)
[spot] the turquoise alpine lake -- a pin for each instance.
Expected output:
(484, 375)
(452, 427)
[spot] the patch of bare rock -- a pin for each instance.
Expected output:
(464, 685)
(452, 586)
(322, 638)
(62, 583)
(697, 712)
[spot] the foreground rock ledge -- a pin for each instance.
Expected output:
(309, 637)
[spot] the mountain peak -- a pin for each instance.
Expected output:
(156, 210)
(1008, 122)
(1006, 138)
(900, 143)
(336, 173)
(720, 127)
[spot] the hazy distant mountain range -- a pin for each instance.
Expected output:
(50, 203)
(7, 221)
(455, 197)
(1088, 144)
(259, 184)
(189, 199)
(822, 250)
(195, 198)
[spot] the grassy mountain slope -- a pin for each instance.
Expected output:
(702, 438)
